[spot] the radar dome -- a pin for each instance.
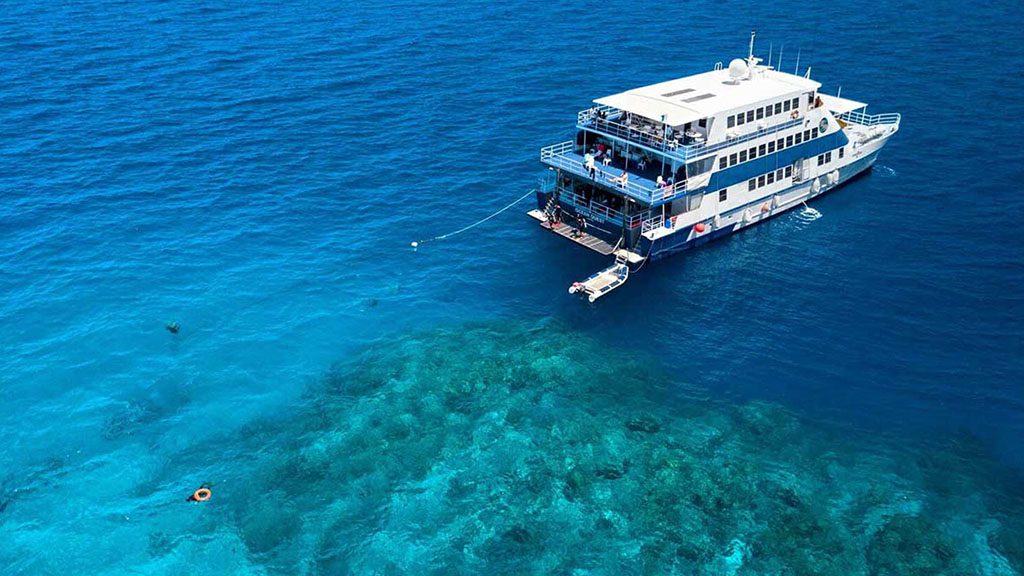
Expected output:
(737, 69)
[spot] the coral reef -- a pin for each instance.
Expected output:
(515, 449)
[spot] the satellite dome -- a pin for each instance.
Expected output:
(737, 69)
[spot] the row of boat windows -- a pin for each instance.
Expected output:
(762, 112)
(762, 180)
(827, 157)
(769, 178)
(768, 148)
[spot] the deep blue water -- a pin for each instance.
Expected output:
(257, 171)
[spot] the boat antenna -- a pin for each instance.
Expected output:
(796, 69)
(750, 54)
(779, 68)
(771, 47)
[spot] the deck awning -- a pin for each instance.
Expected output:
(656, 109)
(838, 105)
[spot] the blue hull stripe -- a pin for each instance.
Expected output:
(764, 164)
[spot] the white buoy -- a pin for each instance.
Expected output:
(415, 244)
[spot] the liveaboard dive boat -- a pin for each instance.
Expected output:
(660, 169)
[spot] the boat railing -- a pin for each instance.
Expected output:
(653, 223)
(859, 117)
(557, 155)
(590, 114)
(654, 141)
(597, 210)
(668, 146)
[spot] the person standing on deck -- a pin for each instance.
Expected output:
(581, 225)
(589, 163)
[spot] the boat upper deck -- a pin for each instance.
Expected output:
(692, 98)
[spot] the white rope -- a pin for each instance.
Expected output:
(475, 224)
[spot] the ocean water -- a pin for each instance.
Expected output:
(833, 395)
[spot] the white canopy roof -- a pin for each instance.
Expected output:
(650, 107)
(838, 105)
(688, 99)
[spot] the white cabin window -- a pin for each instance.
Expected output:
(732, 159)
(795, 103)
(771, 147)
(841, 152)
(778, 107)
(743, 155)
(760, 181)
(740, 119)
(731, 121)
(751, 184)
(750, 115)
(760, 113)
(789, 171)
(722, 162)
(760, 150)
(723, 194)
(785, 106)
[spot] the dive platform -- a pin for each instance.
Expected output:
(566, 231)
(603, 281)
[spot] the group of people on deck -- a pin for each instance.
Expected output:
(555, 219)
(604, 153)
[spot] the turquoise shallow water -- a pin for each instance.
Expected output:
(839, 396)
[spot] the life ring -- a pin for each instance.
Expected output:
(765, 207)
(794, 114)
(202, 495)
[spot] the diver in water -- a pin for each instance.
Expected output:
(173, 327)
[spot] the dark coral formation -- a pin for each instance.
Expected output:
(505, 449)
